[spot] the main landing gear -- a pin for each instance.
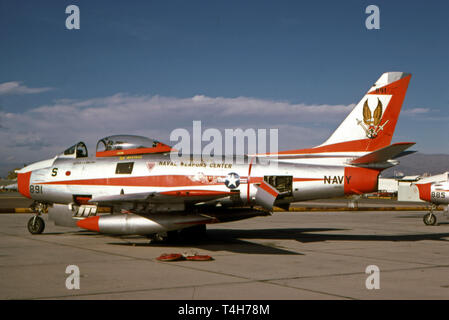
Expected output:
(36, 224)
(430, 219)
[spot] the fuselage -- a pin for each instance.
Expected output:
(436, 192)
(73, 180)
(321, 158)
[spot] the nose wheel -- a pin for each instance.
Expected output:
(36, 224)
(430, 218)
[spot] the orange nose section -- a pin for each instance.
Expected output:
(90, 223)
(23, 183)
(424, 191)
(360, 180)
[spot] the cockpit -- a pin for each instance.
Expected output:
(78, 150)
(128, 144)
(117, 146)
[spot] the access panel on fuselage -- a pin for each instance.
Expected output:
(283, 184)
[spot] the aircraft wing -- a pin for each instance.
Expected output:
(161, 197)
(11, 187)
(383, 154)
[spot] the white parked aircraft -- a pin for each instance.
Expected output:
(436, 192)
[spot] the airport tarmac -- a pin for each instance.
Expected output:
(14, 200)
(289, 255)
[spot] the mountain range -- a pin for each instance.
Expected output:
(419, 164)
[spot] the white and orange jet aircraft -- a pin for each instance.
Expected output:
(150, 194)
(436, 193)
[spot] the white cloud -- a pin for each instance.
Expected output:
(414, 111)
(15, 87)
(46, 130)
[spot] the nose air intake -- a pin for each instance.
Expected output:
(23, 183)
(424, 191)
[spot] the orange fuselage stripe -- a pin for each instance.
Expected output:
(153, 181)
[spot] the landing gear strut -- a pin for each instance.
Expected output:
(430, 218)
(36, 224)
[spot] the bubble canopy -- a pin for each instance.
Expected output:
(128, 144)
(78, 150)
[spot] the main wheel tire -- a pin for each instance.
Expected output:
(36, 225)
(430, 219)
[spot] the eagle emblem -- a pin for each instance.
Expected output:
(150, 165)
(372, 121)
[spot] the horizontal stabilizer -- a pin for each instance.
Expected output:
(404, 153)
(383, 154)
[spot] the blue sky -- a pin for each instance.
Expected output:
(296, 52)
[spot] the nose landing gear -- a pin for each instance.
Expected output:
(36, 224)
(430, 218)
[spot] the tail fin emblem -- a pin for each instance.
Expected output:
(371, 122)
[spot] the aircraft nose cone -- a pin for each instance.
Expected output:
(90, 223)
(424, 191)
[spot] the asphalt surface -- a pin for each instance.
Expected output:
(289, 255)
(14, 200)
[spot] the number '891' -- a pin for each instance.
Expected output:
(35, 189)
